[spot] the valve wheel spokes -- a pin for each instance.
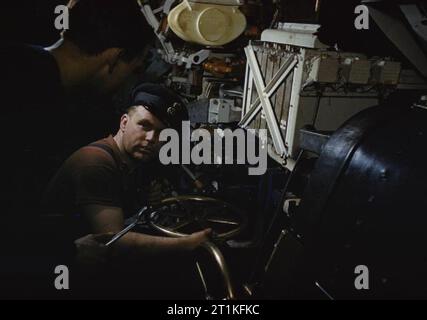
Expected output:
(224, 219)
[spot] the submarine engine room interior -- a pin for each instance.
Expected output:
(341, 112)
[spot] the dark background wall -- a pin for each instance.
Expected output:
(30, 21)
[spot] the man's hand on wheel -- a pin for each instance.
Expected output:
(198, 238)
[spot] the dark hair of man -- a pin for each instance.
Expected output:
(97, 25)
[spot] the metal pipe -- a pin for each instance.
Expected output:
(219, 259)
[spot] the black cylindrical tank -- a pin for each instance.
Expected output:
(366, 205)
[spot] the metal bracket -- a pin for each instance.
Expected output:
(270, 89)
(265, 93)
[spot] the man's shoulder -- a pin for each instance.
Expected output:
(96, 154)
(25, 55)
(20, 48)
(33, 70)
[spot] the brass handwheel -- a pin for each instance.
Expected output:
(182, 215)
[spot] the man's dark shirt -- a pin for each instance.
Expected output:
(97, 174)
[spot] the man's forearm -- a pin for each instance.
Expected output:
(139, 244)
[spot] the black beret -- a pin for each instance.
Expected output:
(162, 102)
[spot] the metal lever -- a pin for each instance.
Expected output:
(128, 228)
(199, 185)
